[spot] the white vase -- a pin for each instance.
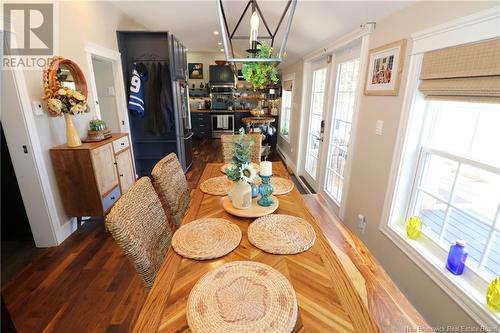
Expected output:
(241, 195)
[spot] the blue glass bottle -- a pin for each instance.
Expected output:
(456, 258)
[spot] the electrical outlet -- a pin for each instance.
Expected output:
(361, 224)
(37, 108)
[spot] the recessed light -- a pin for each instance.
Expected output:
(219, 43)
(222, 50)
(216, 32)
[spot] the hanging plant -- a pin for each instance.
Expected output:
(261, 74)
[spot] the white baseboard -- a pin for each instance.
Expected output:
(288, 161)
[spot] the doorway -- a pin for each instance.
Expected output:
(318, 93)
(333, 92)
(18, 246)
(106, 94)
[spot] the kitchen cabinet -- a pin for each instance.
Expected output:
(201, 125)
(93, 176)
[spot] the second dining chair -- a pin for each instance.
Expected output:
(227, 141)
(171, 184)
(140, 226)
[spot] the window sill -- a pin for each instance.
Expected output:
(285, 138)
(467, 290)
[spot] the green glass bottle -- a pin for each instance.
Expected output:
(414, 227)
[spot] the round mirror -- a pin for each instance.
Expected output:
(63, 72)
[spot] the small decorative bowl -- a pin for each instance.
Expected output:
(257, 112)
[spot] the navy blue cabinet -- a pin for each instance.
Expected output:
(201, 125)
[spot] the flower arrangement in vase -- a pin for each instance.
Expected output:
(242, 172)
(67, 102)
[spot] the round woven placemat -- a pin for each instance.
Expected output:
(281, 234)
(280, 185)
(242, 296)
(217, 185)
(227, 165)
(206, 238)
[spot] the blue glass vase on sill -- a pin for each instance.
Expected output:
(456, 258)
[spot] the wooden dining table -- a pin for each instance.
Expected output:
(335, 291)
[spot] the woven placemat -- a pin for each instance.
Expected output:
(217, 185)
(227, 165)
(281, 234)
(207, 238)
(280, 185)
(242, 296)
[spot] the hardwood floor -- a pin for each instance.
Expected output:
(87, 284)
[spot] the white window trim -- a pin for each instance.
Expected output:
(288, 77)
(467, 290)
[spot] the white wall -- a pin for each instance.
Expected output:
(373, 156)
(81, 21)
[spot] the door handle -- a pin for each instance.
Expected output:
(318, 138)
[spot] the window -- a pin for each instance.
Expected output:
(345, 95)
(457, 187)
(286, 109)
(447, 158)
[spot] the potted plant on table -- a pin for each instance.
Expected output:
(241, 172)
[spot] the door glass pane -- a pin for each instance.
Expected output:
(316, 116)
(345, 95)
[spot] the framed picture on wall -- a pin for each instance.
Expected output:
(195, 70)
(385, 64)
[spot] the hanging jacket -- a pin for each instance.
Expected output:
(137, 83)
(156, 124)
(166, 102)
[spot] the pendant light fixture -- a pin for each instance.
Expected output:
(253, 35)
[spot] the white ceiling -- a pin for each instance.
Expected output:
(315, 22)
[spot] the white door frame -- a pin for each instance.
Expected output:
(20, 130)
(93, 50)
(316, 65)
(362, 33)
(96, 51)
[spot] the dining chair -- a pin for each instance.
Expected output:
(138, 224)
(172, 187)
(227, 141)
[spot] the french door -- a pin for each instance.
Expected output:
(318, 92)
(333, 90)
(345, 92)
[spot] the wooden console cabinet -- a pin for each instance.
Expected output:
(93, 176)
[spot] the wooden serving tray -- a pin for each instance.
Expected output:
(254, 211)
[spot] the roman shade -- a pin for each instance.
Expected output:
(287, 85)
(466, 72)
